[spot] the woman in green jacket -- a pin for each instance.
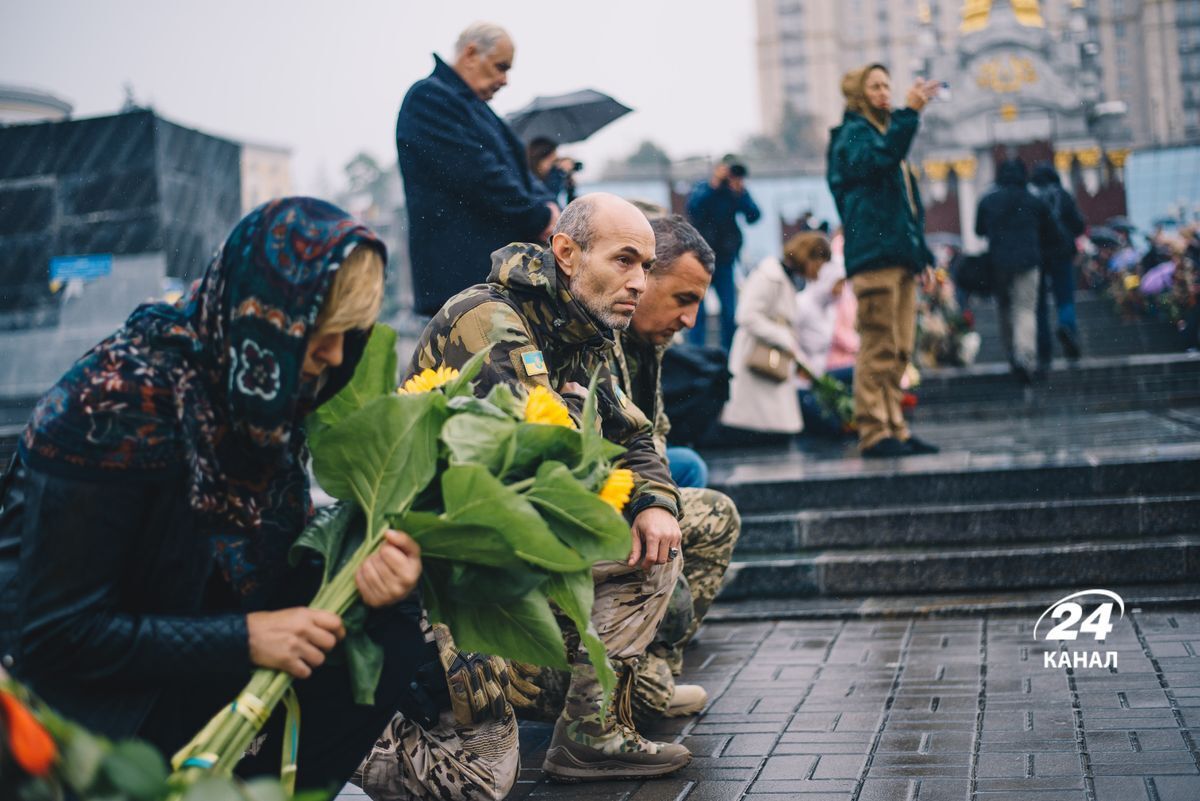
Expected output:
(883, 220)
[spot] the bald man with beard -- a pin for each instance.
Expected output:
(550, 316)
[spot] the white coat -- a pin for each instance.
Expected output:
(766, 312)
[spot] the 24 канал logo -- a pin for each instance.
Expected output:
(1084, 613)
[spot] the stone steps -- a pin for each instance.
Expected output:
(1091, 385)
(987, 524)
(1009, 505)
(1101, 331)
(1163, 559)
(933, 604)
(780, 486)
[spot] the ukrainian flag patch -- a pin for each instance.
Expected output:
(535, 363)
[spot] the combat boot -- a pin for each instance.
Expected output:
(595, 744)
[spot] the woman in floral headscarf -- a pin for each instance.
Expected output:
(147, 516)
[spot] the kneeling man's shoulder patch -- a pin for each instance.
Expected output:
(534, 363)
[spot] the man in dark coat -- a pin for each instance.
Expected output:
(884, 222)
(1020, 230)
(466, 181)
(713, 208)
(1058, 271)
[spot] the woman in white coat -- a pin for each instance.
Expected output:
(767, 313)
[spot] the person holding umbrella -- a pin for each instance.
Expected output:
(466, 179)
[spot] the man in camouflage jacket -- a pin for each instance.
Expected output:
(549, 316)
(709, 520)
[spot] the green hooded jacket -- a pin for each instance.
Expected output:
(540, 335)
(875, 190)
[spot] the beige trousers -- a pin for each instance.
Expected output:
(887, 323)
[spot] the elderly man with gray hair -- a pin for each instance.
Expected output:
(466, 180)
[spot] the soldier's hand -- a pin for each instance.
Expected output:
(478, 683)
(522, 692)
(655, 533)
(573, 388)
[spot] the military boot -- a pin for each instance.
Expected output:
(595, 744)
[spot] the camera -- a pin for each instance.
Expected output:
(578, 166)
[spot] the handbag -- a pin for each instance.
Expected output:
(765, 361)
(976, 275)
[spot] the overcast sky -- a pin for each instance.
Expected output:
(326, 79)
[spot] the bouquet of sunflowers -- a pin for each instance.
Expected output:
(509, 501)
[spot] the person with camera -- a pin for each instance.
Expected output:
(713, 208)
(557, 173)
(884, 224)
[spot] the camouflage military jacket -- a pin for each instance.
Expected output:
(638, 366)
(541, 336)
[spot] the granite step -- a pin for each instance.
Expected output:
(782, 484)
(986, 524)
(1136, 596)
(1162, 560)
(1091, 376)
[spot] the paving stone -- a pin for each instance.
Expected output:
(814, 738)
(807, 790)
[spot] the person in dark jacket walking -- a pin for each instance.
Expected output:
(1020, 230)
(884, 224)
(467, 183)
(1058, 271)
(713, 208)
(146, 519)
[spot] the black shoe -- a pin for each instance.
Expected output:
(916, 446)
(1070, 343)
(887, 448)
(1023, 375)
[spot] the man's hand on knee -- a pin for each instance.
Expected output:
(656, 538)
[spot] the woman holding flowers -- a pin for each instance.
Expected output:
(147, 517)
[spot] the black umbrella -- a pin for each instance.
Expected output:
(572, 117)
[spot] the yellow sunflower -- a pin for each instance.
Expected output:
(542, 407)
(617, 488)
(428, 380)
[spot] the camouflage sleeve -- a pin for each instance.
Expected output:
(662, 427)
(625, 424)
(514, 358)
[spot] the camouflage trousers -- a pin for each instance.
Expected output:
(629, 605)
(710, 526)
(450, 762)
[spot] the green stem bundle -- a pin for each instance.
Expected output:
(221, 744)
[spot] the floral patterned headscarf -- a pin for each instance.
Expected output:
(211, 386)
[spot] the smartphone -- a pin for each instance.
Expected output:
(943, 93)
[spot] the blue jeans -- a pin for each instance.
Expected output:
(818, 421)
(688, 468)
(723, 284)
(1058, 278)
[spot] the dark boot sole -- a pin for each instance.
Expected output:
(609, 770)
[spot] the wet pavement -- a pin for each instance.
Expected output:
(924, 709)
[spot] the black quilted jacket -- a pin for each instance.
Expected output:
(102, 590)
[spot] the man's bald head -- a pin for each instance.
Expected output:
(604, 245)
(597, 211)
